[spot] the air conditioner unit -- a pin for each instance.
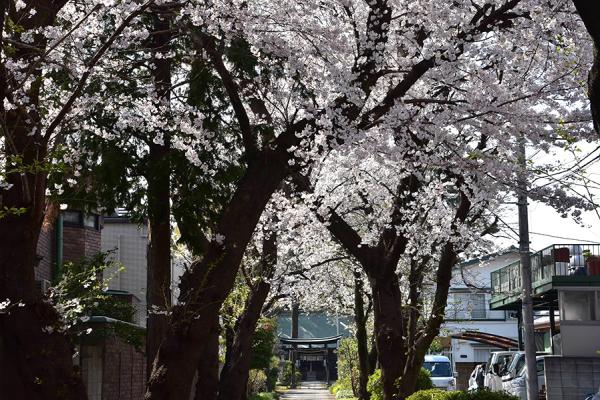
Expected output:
(43, 285)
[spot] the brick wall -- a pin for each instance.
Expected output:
(45, 253)
(124, 371)
(80, 242)
(571, 378)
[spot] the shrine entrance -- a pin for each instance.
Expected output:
(314, 358)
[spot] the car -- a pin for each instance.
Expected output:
(496, 367)
(515, 366)
(440, 369)
(517, 387)
(594, 396)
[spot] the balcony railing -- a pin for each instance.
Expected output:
(556, 260)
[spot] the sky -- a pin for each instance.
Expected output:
(546, 226)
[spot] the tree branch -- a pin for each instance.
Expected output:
(207, 43)
(90, 66)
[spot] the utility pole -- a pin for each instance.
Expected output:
(526, 299)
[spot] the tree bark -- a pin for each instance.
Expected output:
(234, 376)
(360, 319)
(373, 357)
(158, 293)
(207, 386)
(202, 294)
(388, 331)
(35, 358)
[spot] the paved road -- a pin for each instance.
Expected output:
(309, 391)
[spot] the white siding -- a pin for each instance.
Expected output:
(130, 243)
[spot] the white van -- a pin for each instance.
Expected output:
(440, 369)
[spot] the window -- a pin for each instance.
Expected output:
(72, 217)
(467, 306)
(90, 221)
(579, 306)
(438, 369)
(77, 218)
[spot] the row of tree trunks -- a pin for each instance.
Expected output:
(232, 385)
(158, 294)
(202, 294)
(35, 359)
(234, 376)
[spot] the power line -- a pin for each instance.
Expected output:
(565, 238)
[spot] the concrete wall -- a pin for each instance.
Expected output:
(128, 244)
(571, 378)
(580, 340)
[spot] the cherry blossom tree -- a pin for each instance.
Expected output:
(36, 38)
(462, 79)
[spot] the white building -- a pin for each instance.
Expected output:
(128, 244)
(468, 309)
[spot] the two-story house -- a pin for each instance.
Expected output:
(475, 329)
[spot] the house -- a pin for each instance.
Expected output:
(111, 368)
(476, 329)
(565, 281)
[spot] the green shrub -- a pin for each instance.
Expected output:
(485, 394)
(344, 394)
(333, 389)
(375, 386)
(434, 394)
(424, 380)
(286, 374)
(263, 396)
(348, 370)
(272, 373)
(437, 394)
(257, 381)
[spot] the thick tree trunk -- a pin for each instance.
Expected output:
(207, 386)
(388, 331)
(360, 319)
(35, 358)
(36, 363)
(158, 294)
(234, 377)
(202, 294)
(232, 384)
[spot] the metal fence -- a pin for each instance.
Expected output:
(556, 260)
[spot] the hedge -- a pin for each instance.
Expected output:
(437, 394)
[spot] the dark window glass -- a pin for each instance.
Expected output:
(72, 217)
(91, 221)
(438, 369)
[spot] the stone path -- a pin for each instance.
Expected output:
(309, 391)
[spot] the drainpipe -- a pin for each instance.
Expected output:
(59, 248)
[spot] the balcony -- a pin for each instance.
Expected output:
(557, 265)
